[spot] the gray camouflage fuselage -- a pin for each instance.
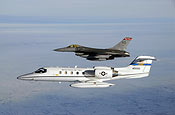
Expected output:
(99, 54)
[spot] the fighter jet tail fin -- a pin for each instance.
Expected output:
(123, 44)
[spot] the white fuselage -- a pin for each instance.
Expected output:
(78, 74)
(92, 77)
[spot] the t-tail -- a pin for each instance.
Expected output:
(139, 68)
(123, 44)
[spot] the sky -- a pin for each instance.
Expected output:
(52, 10)
(30, 30)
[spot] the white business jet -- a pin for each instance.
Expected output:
(92, 77)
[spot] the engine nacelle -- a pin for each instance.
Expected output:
(103, 72)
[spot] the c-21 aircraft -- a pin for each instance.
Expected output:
(92, 77)
(95, 54)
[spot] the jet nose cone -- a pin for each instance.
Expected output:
(25, 77)
(19, 77)
(59, 49)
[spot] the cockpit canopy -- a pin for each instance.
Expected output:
(41, 70)
(73, 46)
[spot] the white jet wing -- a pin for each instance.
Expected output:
(91, 84)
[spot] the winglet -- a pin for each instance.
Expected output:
(123, 44)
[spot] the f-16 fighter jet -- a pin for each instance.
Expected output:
(95, 77)
(99, 54)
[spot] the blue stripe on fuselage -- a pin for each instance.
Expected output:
(139, 64)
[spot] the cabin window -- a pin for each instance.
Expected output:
(71, 72)
(77, 72)
(65, 72)
(83, 73)
(60, 72)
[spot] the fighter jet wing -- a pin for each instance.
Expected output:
(93, 56)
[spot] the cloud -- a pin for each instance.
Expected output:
(26, 47)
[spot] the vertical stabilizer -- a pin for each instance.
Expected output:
(123, 44)
(143, 63)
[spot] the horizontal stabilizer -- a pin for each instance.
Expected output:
(91, 85)
(143, 60)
